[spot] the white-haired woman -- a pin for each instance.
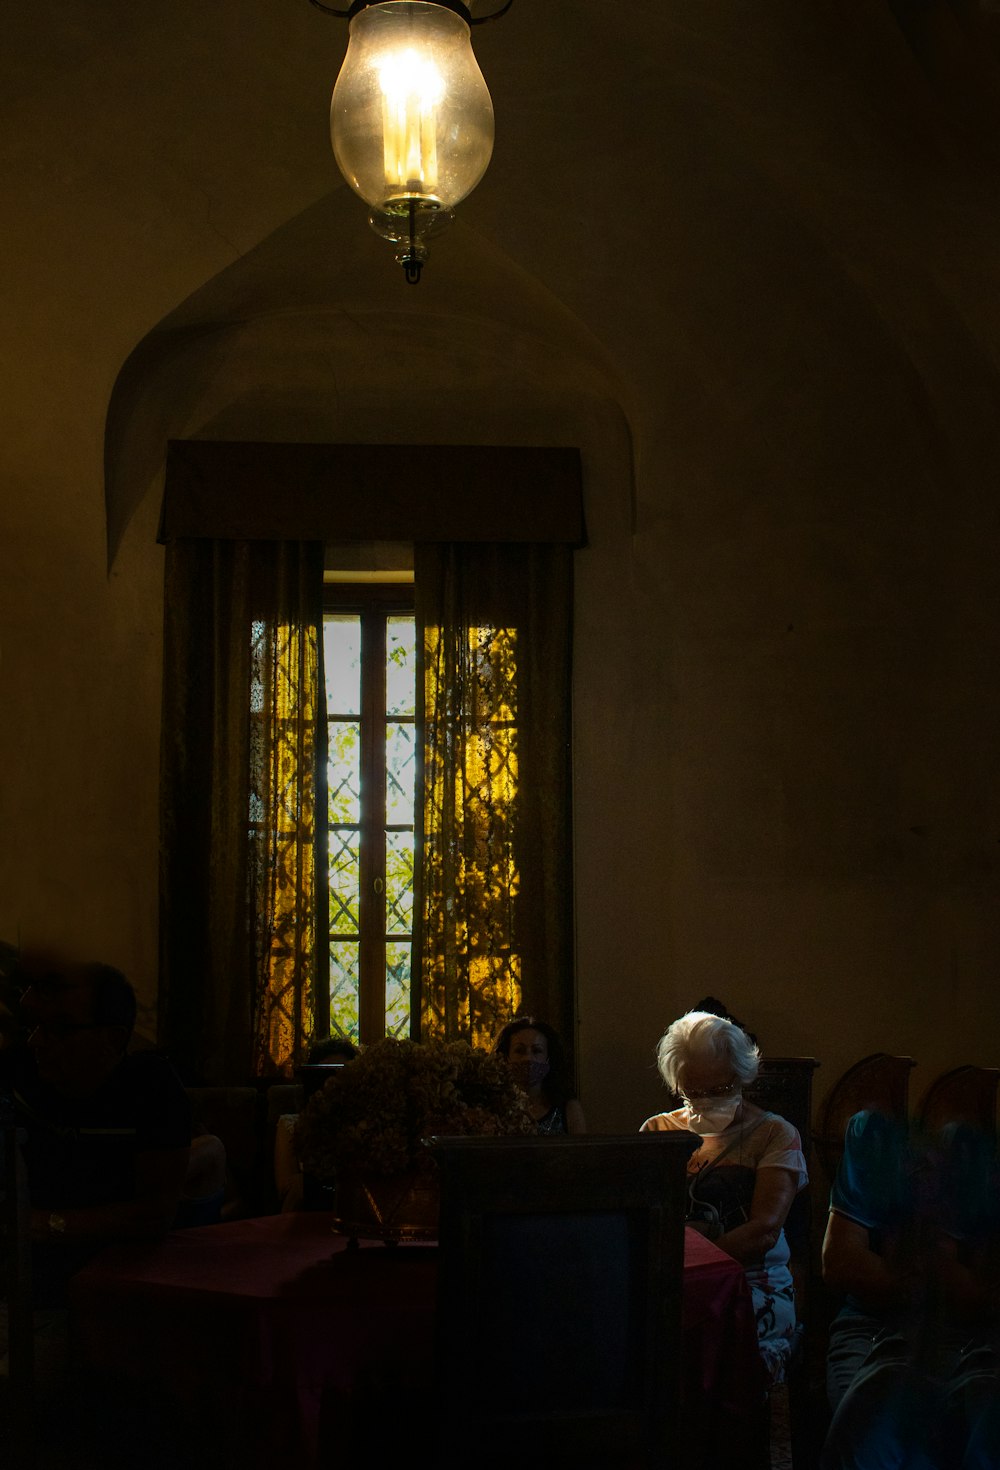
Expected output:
(747, 1171)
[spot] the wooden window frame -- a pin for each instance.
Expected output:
(373, 602)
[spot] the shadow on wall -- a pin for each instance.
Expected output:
(314, 337)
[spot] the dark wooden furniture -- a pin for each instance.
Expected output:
(880, 1082)
(784, 1086)
(268, 1342)
(963, 1095)
(559, 1299)
(17, 1385)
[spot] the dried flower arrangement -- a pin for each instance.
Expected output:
(373, 1114)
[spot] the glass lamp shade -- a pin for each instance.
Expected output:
(411, 118)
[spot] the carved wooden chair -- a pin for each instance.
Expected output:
(880, 1082)
(963, 1095)
(784, 1086)
(559, 1299)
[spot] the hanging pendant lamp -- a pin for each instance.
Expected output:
(411, 118)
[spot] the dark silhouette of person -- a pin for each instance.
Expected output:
(106, 1134)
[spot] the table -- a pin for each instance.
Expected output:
(266, 1323)
(724, 1384)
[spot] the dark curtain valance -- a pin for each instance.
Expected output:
(371, 492)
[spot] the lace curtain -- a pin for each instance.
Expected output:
(242, 779)
(241, 749)
(493, 919)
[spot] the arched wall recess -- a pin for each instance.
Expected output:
(303, 340)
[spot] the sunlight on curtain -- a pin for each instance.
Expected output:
(284, 703)
(492, 934)
(471, 969)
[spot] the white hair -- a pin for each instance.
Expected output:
(700, 1036)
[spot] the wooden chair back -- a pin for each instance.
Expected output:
(963, 1095)
(784, 1086)
(559, 1298)
(880, 1082)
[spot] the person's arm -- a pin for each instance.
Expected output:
(575, 1121)
(850, 1265)
(159, 1179)
(897, 1281)
(773, 1192)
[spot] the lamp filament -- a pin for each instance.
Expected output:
(411, 88)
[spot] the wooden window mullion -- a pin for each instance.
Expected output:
(372, 958)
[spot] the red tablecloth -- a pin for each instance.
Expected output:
(267, 1319)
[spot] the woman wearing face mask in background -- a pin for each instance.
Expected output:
(747, 1171)
(536, 1057)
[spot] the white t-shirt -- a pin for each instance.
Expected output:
(757, 1140)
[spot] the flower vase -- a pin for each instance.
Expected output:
(389, 1207)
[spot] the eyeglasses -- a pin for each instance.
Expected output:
(729, 1089)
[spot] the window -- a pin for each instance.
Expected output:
(250, 924)
(369, 647)
(355, 826)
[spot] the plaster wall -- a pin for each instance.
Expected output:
(740, 255)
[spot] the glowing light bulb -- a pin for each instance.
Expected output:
(411, 117)
(412, 87)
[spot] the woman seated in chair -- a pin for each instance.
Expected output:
(747, 1171)
(535, 1055)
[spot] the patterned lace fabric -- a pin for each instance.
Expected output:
(493, 918)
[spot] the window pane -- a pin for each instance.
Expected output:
(400, 665)
(342, 656)
(397, 989)
(344, 771)
(344, 1019)
(372, 754)
(398, 882)
(345, 881)
(400, 744)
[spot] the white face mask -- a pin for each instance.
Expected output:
(709, 1115)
